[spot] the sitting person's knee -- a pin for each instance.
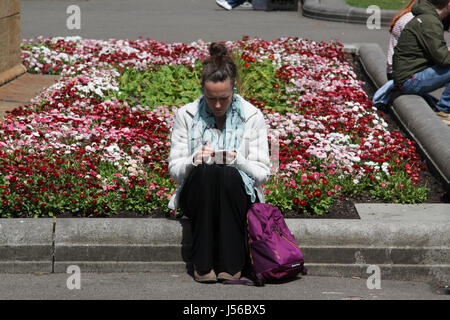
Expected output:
(231, 176)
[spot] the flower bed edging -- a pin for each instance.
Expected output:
(342, 12)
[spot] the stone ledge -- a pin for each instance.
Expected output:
(9, 8)
(121, 266)
(314, 254)
(141, 245)
(12, 73)
(339, 11)
(426, 273)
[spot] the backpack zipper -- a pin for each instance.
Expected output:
(284, 237)
(276, 230)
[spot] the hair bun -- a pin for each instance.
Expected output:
(217, 49)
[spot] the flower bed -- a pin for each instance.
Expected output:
(97, 142)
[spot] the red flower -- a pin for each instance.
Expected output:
(296, 201)
(303, 203)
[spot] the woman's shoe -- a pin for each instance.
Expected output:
(209, 277)
(224, 4)
(223, 276)
(443, 115)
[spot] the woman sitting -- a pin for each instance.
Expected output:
(217, 188)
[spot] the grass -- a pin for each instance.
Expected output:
(383, 4)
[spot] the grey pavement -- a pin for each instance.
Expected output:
(181, 286)
(182, 21)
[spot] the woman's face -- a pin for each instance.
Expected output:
(218, 96)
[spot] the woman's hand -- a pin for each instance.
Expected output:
(230, 156)
(224, 157)
(202, 155)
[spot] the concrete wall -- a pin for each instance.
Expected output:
(10, 63)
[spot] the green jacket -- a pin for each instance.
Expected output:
(421, 44)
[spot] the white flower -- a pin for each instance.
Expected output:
(113, 148)
(98, 92)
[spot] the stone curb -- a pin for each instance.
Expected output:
(341, 12)
(412, 112)
(26, 245)
(403, 250)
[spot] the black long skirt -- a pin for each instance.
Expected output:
(214, 199)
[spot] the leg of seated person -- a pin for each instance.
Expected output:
(198, 200)
(232, 218)
(444, 103)
(235, 3)
(429, 80)
(215, 201)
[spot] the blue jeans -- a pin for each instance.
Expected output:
(429, 80)
(235, 3)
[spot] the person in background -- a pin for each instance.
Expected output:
(231, 4)
(421, 61)
(395, 28)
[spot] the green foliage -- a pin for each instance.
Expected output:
(256, 81)
(383, 4)
(160, 86)
(174, 85)
(399, 188)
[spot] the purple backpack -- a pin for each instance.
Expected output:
(274, 253)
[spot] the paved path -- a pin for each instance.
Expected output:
(21, 90)
(182, 21)
(180, 286)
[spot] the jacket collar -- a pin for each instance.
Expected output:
(192, 108)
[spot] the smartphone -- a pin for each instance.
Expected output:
(220, 156)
